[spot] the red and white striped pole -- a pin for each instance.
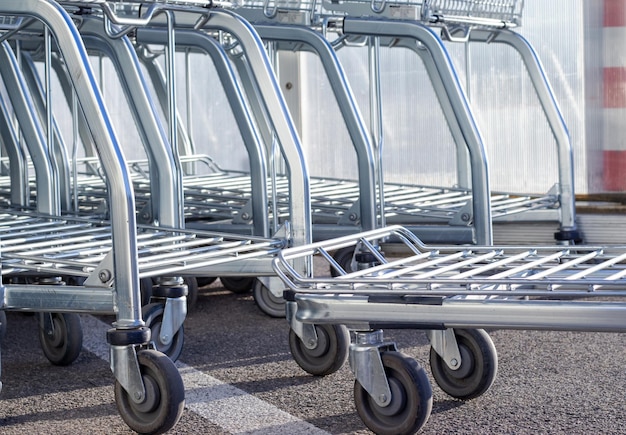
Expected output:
(614, 84)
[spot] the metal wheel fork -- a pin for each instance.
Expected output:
(125, 367)
(175, 308)
(174, 313)
(444, 343)
(306, 331)
(367, 365)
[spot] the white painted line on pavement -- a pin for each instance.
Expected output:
(222, 404)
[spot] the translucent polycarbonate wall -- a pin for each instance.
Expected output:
(417, 145)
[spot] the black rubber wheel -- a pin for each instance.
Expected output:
(238, 285)
(164, 401)
(205, 280)
(478, 370)
(343, 256)
(192, 291)
(273, 306)
(153, 317)
(3, 325)
(328, 356)
(61, 343)
(411, 398)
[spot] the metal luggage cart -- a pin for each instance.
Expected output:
(450, 292)
(366, 208)
(153, 205)
(475, 21)
(409, 24)
(149, 390)
(195, 28)
(102, 261)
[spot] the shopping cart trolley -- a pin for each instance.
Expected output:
(453, 293)
(402, 24)
(474, 21)
(153, 204)
(135, 366)
(101, 261)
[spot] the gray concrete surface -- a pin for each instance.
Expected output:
(240, 378)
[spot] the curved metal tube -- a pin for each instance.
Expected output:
(18, 175)
(119, 184)
(280, 117)
(457, 102)
(165, 171)
(347, 105)
(256, 152)
(46, 180)
(58, 150)
(553, 114)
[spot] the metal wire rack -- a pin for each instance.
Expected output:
(505, 272)
(74, 247)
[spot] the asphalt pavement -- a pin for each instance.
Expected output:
(240, 378)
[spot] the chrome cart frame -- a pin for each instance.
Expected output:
(451, 292)
(106, 32)
(413, 25)
(129, 334)
(103, 261)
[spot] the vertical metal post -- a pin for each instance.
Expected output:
(75, 136)
(376, 122)
(190, 167)
(49, 131)
(274, 154)
(173, 120)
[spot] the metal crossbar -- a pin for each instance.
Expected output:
(474, 13)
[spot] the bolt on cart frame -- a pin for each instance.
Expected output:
(450, 292)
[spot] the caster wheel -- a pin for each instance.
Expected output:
(192, 291)
(153, 317)
(205, 280)
(3, 325)
(273, 306)
(479, 365)
(238, 285)
(163, 404)
(61, 337)
(343, 257)
(411, 398)
(328, 356)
